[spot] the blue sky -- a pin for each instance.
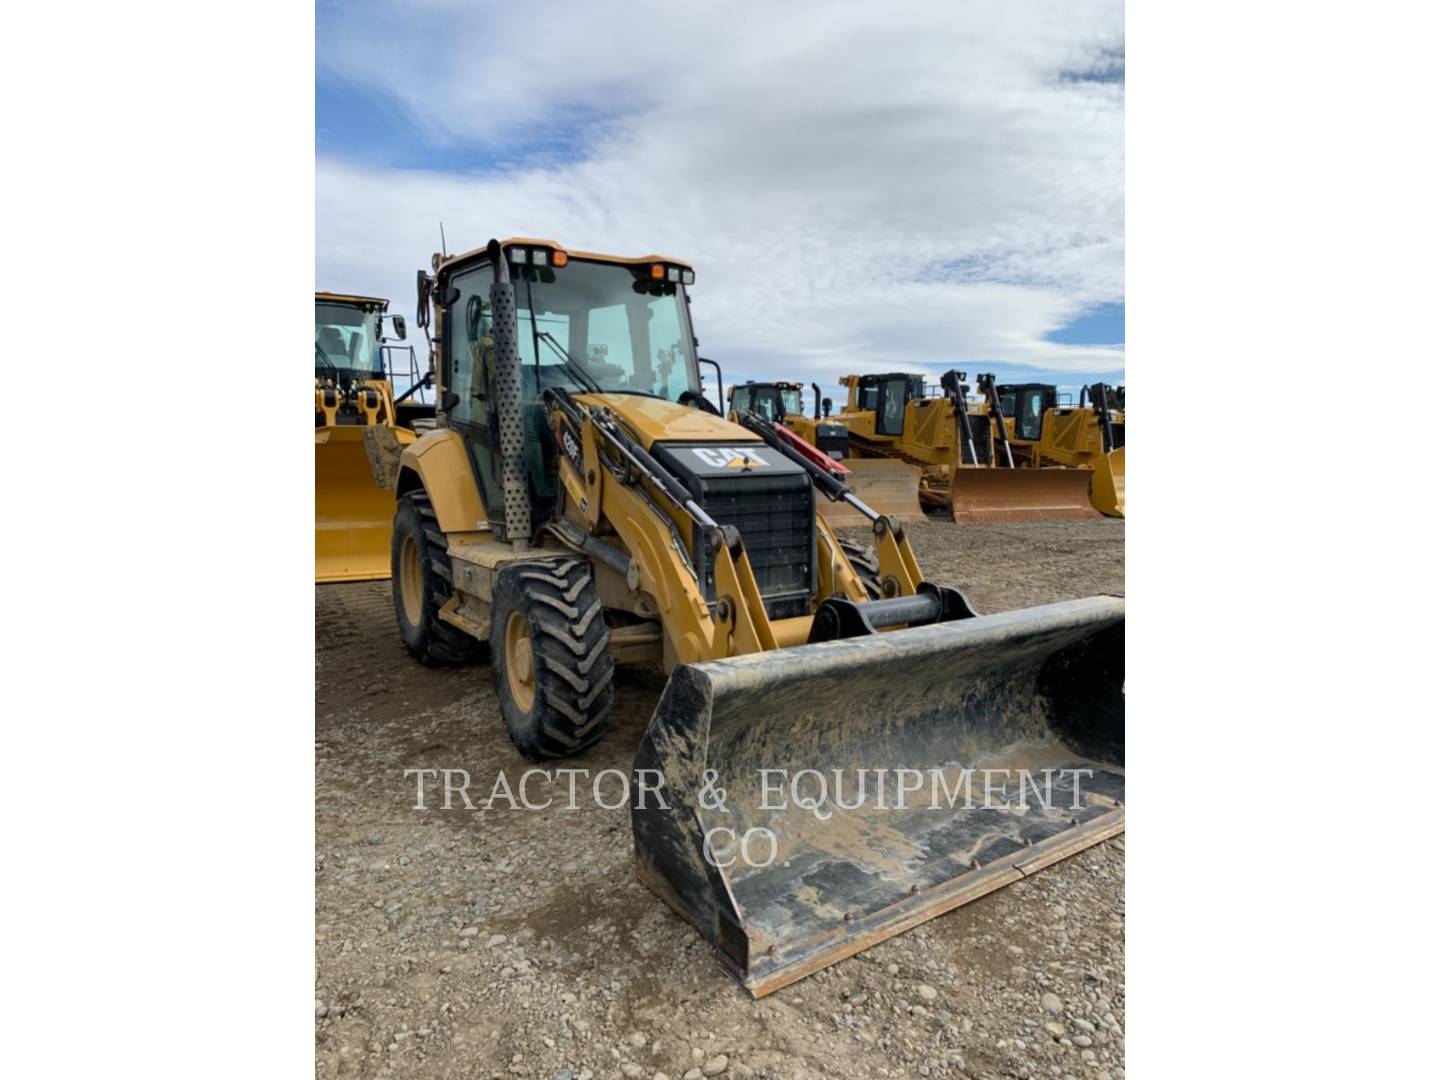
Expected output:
(961, 205)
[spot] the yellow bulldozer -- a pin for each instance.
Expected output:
(885, 485)
(582, 504)
(360, 426)
(1091, 436)
(948, 436)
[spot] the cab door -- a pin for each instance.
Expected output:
(1030, 408)
(890, 407)
(469, 374)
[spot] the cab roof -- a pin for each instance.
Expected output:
(346, 298)
(535, 241)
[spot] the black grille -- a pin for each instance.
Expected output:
(771, 503)
(1118, 430)
(775, 517)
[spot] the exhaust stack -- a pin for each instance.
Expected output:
(505, 332)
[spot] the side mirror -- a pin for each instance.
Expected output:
(399, 323)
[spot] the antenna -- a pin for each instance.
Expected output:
(443, 252)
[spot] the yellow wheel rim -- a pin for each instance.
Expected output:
(519, 661)
(412, 581)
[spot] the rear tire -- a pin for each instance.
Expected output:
(550, 650)
(866, 565)
(420, 586)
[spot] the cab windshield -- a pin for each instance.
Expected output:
(767, 402)
(627, 333)
(345, 339)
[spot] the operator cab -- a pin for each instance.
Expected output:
(347, 338)
(769, 401)
(1027, 404)
(588, 324)
(886, 396)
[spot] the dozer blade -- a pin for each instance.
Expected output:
(1107, 490)
(887, 487)
(1016, 694)
(982, 495)
(353, 515)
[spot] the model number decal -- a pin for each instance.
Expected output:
(571, 447)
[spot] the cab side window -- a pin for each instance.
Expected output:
(469, 357)
(1032, 414)
(891, 420)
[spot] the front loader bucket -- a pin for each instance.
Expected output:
(1017, 694)
(1107, 489)
(887, 487)
(353, 514)
(983, 495)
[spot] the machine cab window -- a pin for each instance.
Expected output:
(347, 342)
(886, 396)
(1031, 416)
(766, 400)
(1026, 405)
(585, 325)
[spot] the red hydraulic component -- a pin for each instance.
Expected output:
(825, 461)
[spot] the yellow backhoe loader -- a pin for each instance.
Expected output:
(360, 426)
(582, 504)
(949, 438)
(885, 485)
(1089, 436)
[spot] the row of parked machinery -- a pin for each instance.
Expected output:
(1011, 452)
(575, 502)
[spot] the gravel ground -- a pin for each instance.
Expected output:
(510, 944)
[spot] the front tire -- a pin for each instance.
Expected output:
(550, 650)
(866, 564)
(420, 586)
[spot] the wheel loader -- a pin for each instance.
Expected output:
(581, 505)
(1089, 436)
(887, 486)
(948, 436)
(360, 426)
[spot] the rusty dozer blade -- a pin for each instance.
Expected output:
(353, 515)
(887, 487)
(1016, 693)
(1107, 489)
(982, 495)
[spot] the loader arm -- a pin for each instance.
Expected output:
(623, 487)
(614, 482)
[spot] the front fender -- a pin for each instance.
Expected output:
(437, 464)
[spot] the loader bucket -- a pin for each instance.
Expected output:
(353, 514)
(887, 487)
(1107, 489)
(982, 495)
(1016, 693)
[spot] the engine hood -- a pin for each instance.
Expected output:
(655, 420)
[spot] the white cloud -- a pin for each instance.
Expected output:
(860, 186)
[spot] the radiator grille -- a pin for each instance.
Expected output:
(776, 520)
